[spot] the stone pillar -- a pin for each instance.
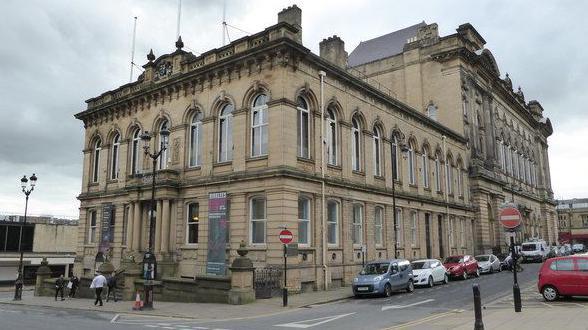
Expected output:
(131, 272)
(137, 227)
(241, 279)
(158, 217)
(130, 226)
(43, 273)
(165, 226)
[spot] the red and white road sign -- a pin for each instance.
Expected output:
(286, 236)
(510, 217)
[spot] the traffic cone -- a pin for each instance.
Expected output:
(138, 305)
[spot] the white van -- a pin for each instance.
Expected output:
(536, 250)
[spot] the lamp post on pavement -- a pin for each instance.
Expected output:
(24, 183)
(149, 261)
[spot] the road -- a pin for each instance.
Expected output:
(423, 305)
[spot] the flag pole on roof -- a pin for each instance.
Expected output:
(133, 48)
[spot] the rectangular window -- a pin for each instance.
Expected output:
(193, 223)
(399, 228)
(259, 131)
(378, 225)
(425, 170)
(582, 264)
(414, 228)
(258, 219)
(304, 221)
(357, 233)
(92, 227)
(333, 222)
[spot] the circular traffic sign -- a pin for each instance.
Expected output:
(510, 217)
(286, 236)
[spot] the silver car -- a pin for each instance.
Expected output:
(384, 277)
(488, 263)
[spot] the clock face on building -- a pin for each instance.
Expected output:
(164, 69)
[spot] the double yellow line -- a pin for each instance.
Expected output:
(425, 319)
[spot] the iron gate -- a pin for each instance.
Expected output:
(267, 282)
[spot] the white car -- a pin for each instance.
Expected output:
(488, 263)
(427, 272)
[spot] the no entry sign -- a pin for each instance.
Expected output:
(286, 236)
(510, 217)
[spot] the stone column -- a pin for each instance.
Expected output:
(241, 279)
(43, 273)
(165, 226)
(137, 226)
(130, 225)
(158, 218)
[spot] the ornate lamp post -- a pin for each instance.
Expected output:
(149, 262)
(24, 183)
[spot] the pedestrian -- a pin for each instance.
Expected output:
(59, 287)
(111, 287)
(75, 282)
(98, 284)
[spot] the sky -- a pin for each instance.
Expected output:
(56, 54)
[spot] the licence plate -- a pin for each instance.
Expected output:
(362, 288)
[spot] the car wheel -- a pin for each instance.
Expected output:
(388, 290)
(445, 279)
(477, 272)
(465, 275)
(549, 293)
(410, 287)
(430, 284)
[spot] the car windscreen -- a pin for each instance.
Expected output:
(375, 269)
(453, 260)
(482, 258)
(419, 265)
(529, 247)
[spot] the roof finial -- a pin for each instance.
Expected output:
(179, 43)
(150, 56)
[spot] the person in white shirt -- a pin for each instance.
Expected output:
(98, 283)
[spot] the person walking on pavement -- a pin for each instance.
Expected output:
(98, 284)
(111, 287)
(59, 287)
(75, 282)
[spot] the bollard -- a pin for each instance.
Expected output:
(478, 323)
(516, 291)
(285, 297)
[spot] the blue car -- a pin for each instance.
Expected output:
(384, 278)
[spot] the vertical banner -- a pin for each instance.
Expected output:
(105, 230)
(217, 233)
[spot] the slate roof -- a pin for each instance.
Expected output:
(384, 46)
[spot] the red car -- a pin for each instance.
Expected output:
(461, 266)
(564, 276)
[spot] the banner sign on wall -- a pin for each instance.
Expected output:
(217, 233)
(106, 233)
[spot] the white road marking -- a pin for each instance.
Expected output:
(114, 318)
(405, 306)
(313, 322)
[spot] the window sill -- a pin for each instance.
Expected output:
(334, 247)
(89, 245)
(379, 177)
(306, 160)
(193, 168)
(413, 185)
(358, 172)
(257, 247)
(93, 184)
(427, 189)
(334, 167)
(189, 247)
(112, 181)
(220, 164)
(254, 158)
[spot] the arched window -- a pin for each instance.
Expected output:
(448, 176)
(225, 133)
(395, 167)
(303, 221)
(163, 141)
(377, 141)
(437, 173)
(114, 157)
(501, 155)
(508, 160)
(355, 145)
(332, 140)
(432, 111)
(136, 151)
(96, 160)
(258, 219)
(357, 230)
(195, 158)
(303, 130)
(332, 222)
(425, 165)
(459, 173)
(379, 226)
(411, 164)
(192, 223)
(259, 126)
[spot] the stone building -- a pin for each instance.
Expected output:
(295, 140)
(455, 81)
(572, 216)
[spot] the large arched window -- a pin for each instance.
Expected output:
(303, 221)
(437, 173)
(259, 126)
(136, 151)
(411, 164)
(395, 167)
(377, 142)
(114, 157)
(163, 142)
(355, 144)
(195, 158)
(332, 140)
(96, 160)
(303, 128)
(425, 169)
(225, 133)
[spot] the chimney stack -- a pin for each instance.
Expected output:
(293, 16)
(332, 49)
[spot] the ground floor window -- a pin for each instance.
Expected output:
(304, 221)
(193, 222)
(258, 219)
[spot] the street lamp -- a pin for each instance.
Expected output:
(149, 262)
(403, 149)
(24, 182)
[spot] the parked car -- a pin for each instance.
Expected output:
(578, 248)
(488, 263)
(428, 272)
(461, 266)
(503, 261)
(534, 251)
(384, 277)
(564, 276)
(554, 251)
(566, 250)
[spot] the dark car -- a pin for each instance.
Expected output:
(461, 266)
